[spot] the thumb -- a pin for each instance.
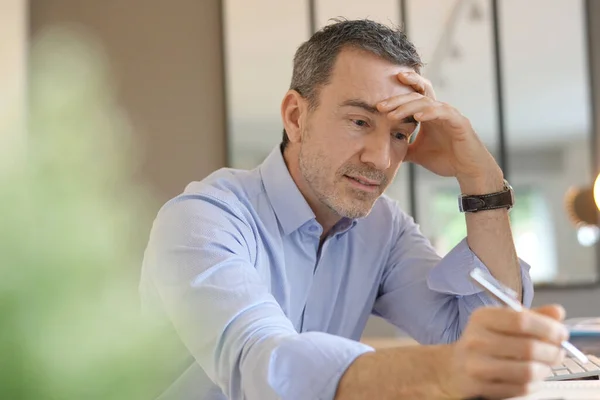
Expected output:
(412, 152)
(554, 311)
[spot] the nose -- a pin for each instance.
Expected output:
(376, 152)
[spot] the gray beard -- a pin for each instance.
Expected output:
(309, 168)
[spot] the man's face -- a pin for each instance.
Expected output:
(349, 152)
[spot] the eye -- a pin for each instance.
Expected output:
(400, 136)
(360, 123)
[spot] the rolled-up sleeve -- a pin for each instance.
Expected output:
(429, 297)
(451, 276)
(200, 261)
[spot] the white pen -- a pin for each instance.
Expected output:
(508, 297)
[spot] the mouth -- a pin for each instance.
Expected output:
(364, 184)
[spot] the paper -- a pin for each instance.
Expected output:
(565, 390)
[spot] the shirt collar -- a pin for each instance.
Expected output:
(287, 201)
(289, 204)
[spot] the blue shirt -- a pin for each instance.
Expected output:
(234, 262)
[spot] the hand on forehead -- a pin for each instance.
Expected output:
(417, 83)
(358, 74)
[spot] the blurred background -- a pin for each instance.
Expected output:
(143, 97)
(522, 72)
(543, 145)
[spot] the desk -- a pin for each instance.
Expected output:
(576, 390)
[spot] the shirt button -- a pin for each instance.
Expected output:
(313, 228)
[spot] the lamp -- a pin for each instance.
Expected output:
(597, 192)
(582, 205)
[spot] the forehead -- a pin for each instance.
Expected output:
(358, 74)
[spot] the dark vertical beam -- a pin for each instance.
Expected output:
(412, 168)
(226, 113)
(502, 153)
(592, 37)
(404, 16)
(312, 16)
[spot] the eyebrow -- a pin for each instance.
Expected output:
(372, 109)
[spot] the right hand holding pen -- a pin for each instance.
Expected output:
(501, 352)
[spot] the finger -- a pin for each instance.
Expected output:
(441, 111)
(392, 103)
(414, 152)
(554, 311)
(496, 390)
(515, 348)
(411, 152)
(525, 323)
(507, 371)
(411, 108)
(410, 155)
(417, 82)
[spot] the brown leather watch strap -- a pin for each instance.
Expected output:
(492, 201)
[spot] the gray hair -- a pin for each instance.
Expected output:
(314, 59)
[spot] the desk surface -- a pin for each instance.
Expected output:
(570, 390)
(575, 390)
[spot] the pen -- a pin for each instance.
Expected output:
(507, 297)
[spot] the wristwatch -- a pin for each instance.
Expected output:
(491, 201)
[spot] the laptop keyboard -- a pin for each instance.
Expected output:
(571, 368)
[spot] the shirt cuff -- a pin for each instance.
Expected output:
(310, 365)
(451, 274)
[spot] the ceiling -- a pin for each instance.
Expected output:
(544, 62)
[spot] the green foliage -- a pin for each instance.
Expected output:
(71, 228)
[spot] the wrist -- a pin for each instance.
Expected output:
(446, 372)
(490, 182)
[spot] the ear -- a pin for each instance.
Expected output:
(293, 113)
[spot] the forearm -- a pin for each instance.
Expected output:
(489, 235)
(412, 372)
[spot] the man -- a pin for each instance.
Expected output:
(269, 275)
